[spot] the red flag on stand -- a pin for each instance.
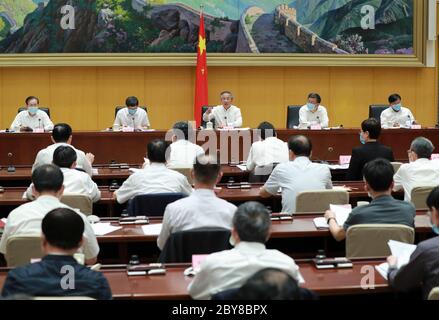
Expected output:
(201, 97)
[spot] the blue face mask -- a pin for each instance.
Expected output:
(435, 229)
(362, 139)
(32, 110)
(397, 108)
(311, 106)
(132, 112)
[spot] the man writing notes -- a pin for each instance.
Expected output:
(225, 115)
(396, 116)
(132, 116)
(32, 119)
(313, 113)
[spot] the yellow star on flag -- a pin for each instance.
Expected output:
(202, 45)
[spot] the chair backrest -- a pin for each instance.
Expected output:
(186, 172)
(375, 110)
(46, 110)
(116, 110)
(152, 204)
(78, 201)
(293, 116)
(419, 196)
(434, 294)
(370, 240)
(319, 200)
(21, 249)
(180, 246)
(396, 166)
(203, 111)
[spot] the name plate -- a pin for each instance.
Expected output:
(316, 127)
(38, 130)
(416, 126)
(345, 159)
(127, 129)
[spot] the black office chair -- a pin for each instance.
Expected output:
(293, 116)
(121, 107)
(180, 246)
(46, 110)
(375, 110)
(152, 205)
(203, 123)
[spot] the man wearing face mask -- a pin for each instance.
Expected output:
(32, 119)
(313, 113)
(132, 116)
(423, 266)
(396, 116)
(369, 150)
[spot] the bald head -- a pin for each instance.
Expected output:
(300, 145)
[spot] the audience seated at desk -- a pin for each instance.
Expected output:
(384, 209)
(421, 171)
(396, 116)
(153, 178)
(62, 236)
(226, 114)
(371, 149)
(32, 118)
(26, 219)
(132, 116)
(297, 175)
(75, 181)
(313, 113)
(231, 268)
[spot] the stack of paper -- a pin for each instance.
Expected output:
(338, 166)
(342, 213)
(243, 167)
(152, 229)
(103, 228)
(402, 251)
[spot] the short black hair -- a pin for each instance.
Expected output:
(270, 284)
(157, 150)
(184, 127)
(300, 145)
(266, 129)
(378, 174)
(47, 178)
(252, 222)
(372, 126)
(433, 199)
(206, 169)
(226, 92)
(63, 228)
(31, 98)
(423, 147)
(394, 97)
(132, 102)
(314, 95)
(64, 156)
(61, 132)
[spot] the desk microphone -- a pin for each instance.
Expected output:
(329, 150)
(39, 123)
(318, 119)
(11, 168)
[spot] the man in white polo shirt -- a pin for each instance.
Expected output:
(226, 114)
(132, 116)
(313, 113)
(182, 151)
(32, 118)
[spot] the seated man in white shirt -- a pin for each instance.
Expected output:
(32, 119)
(62, 136)
(297, 175)
(313, 113)
(26, 219)
(269, 150)
(420, 172)
(182, 151)
(132, 116)
(225, 115)
(231, 268)
(153, 178)
(396, 116)
(75, 181)
(202, 208)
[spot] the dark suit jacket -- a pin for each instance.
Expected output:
(45, 278)
(363, 154)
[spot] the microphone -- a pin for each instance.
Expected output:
(328, 151)
(318, 119)
(134, 124)
(39, 123)
(11, 167)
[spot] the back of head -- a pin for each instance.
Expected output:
(316, 96)
(157, 150)
(47, 178)
(64, 156)
(372, 126)
(132, 102)
(206, 170)
(266, 130)
(433, 199)
(269, 284)
(394, 97)
(63, 228)
(378, 174)
(301, 146)
(61, 132)
(181, 130)
(423, 147)
(252, 222)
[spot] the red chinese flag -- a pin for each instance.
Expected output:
(201, 98)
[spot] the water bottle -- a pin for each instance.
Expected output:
(408, 123)
(209, 125)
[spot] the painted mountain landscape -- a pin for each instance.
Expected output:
(232, 26)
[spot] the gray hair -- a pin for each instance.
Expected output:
(423, 147)
(252, 222)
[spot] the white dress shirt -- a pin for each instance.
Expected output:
(389, 117)
(27, 218)
(155, 178)
(75, 182)
(295, 177)
(308, 118)
(124, 119)
(231, 268)
(420, 173)
(201, 209)
(45, 156)
(266, 152)
(183, 154)
(231, 117)
(39, 121)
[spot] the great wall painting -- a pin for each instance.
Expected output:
(232, 26)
